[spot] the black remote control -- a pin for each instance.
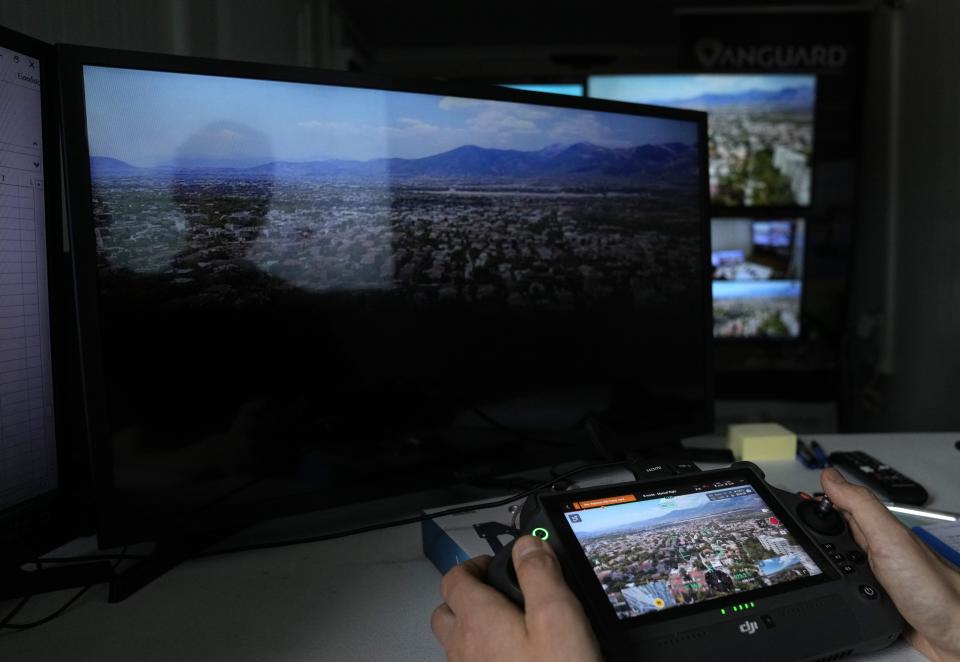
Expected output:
(885, 479)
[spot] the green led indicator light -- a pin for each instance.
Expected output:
(752, 605)
(735, 608)
(541, 533)
(723, 611)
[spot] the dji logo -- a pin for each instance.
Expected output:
(749, 627)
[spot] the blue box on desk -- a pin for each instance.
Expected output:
(452, 539)
(449, 541)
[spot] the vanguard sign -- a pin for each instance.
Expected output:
(713, 53)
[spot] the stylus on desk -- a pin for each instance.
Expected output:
(921, 512)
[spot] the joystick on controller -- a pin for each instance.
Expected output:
(821, 516)
(503, 576)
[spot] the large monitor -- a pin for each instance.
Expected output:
(761, 129)
(302, 288)
(30, 300)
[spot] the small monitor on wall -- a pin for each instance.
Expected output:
(761, 129)
(757, 277)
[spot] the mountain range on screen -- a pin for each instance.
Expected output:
(582, 159)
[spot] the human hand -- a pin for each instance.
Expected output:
(476, 622)
(924, 589)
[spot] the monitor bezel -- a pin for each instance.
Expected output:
(592, 591)
(52, 518)
(74, 58)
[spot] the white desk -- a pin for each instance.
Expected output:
(368, 597)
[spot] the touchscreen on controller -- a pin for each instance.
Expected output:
(675, 547)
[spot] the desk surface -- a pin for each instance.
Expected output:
(368, 597)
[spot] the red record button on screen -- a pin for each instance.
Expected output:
(774, 521)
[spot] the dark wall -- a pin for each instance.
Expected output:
(908, 276)
(299, 32)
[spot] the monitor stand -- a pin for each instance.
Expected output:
(611, 445)
(166, 555)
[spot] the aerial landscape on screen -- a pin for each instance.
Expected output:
(231, 190)
(673, 551)
(761, 129)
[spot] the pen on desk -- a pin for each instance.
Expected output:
(822, 458)
(804, 456)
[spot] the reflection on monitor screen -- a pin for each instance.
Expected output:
(760, 125)
(756, 309)
(570, 89)
(654, 554)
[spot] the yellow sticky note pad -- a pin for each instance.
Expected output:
(761, 441)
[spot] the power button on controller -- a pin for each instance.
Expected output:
(869, 592)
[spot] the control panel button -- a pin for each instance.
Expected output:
(856, 556)
(654, 470)
(828, 547)
(869, 592)
(541, 533)
(847, 569)
(838, 557)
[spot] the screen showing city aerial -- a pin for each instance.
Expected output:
(652, 553)
(315, 282)
(758, 277)
(761, 129)
(756, 308)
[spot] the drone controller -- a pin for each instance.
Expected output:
(710, 565)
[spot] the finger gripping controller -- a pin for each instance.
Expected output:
(775, 626)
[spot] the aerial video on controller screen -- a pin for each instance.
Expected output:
(651, 554)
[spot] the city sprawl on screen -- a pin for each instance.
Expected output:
(761, 129)
(654, 554)
(283, 185)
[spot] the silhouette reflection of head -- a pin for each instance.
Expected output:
(222, 183)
